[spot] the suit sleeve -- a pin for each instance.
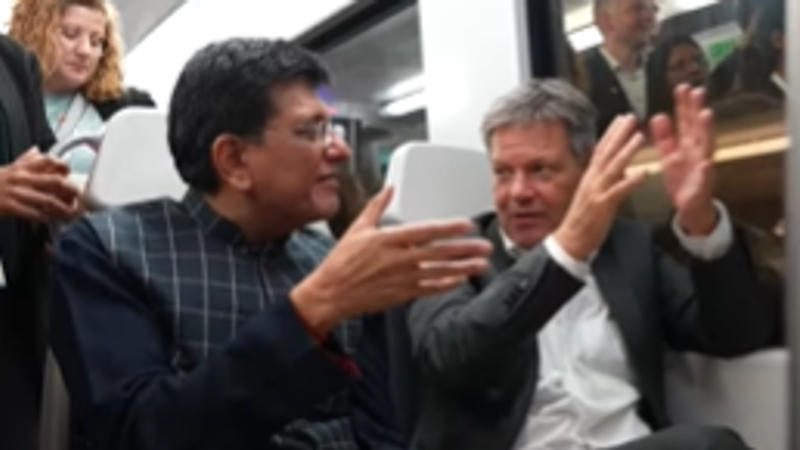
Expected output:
(42, 134)
(127, 381)
(460, 339)
(718, 307)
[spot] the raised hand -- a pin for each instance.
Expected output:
(601, 190)
(687, 158)
(35, 187)
(372, 269)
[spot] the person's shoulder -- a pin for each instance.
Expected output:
(10, 48)
(591, 55)
(137, 97)
(130, 97)
(17, 58)
(151, 218)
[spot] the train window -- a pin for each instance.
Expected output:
(378, 87)
(628, 55)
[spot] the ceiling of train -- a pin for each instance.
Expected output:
(139, 17)
(365, 67)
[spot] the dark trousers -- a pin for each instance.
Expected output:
(21, 356)
(688, 437)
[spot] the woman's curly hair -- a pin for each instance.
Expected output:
(34, 24)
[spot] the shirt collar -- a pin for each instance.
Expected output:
(509, 246)
(515, 251)
(615, 65)
(219, 227)
(779, 81)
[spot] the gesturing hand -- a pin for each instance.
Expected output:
(372, 269)
(601, 190)
(35, 187)
(687, 159)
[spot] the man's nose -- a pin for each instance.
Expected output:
(337, 149)
(522, 188)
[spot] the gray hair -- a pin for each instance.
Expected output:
(544, 100)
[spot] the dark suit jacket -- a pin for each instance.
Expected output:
(477, 349)
(23, 256)
(605, 90)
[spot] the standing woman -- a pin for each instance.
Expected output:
(79, 47)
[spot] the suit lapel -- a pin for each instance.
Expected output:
(623, 304)
(499, 258)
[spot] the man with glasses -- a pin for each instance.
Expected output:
(222, 321)
(617, 69)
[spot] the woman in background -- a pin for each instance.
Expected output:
(675, 61)
(79, 48)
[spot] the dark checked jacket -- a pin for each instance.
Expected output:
(173, 333)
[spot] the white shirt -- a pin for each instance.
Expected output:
(633, 83)
(779, 81)
(586, 396)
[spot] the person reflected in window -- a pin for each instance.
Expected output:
(80, 49)
(758, 66)
(562, 345)
(773, 26)
(617, 69)
(34, 192)
(679, 60)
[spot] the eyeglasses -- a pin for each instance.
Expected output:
(322, 131)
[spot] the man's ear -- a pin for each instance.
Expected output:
(228, 158)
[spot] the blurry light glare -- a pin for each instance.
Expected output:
(405, 87)
(585, 38)
(691, 5)
(405, 105)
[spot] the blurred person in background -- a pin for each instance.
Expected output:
(80, 50)
(618, 68)
(758, 65)
(675, 61)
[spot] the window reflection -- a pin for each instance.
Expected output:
(628, 55)
(633, 52)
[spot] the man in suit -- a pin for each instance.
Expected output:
(33, 191)
(221, 321)
(617, 69)
(561, 345)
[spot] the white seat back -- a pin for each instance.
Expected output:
(134, 163)
(435, 182)
(748, 394)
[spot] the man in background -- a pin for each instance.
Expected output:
(617, 69)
